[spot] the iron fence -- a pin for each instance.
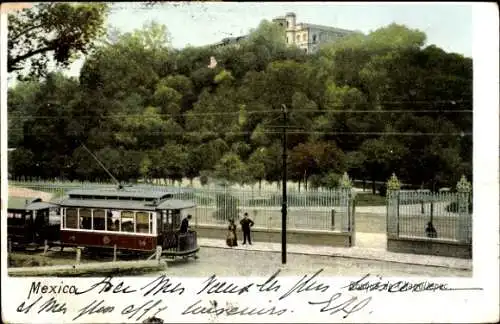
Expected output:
(311, 210)
(430, 215)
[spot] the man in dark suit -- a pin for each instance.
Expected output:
(246, 224)
(185, 225)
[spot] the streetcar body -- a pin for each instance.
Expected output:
(128, 219)
(32, 222)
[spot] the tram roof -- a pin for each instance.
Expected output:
(20, 203)
(122, 193)
(28, 203)
(41, 205)
(127, 204)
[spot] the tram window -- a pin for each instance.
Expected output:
(176, 218)
(85, 219)
(14, 219)
(99, 220)
(54, 217)
(142, 222)
(159, 224)
(113, 219)
(127, 221)
(71, 218)
(42, 218)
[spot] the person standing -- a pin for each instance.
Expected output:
(231, 239)
(246, 224)
(185, 225)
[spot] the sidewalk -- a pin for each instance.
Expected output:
(84, 268)
(375, 254)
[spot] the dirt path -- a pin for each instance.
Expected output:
(28, 193)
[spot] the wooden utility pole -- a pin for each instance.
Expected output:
(284, 199)
(284, 128)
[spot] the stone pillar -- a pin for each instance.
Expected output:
(346, 221)
(464, 223)
(45, 247)
(392, 197)
(158, 253)
(78, 255)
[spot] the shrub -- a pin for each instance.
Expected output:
(382, 190)
(204, 180)
(453, 207)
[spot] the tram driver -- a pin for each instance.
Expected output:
(182, 243)
(185, 225)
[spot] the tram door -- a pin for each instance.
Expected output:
(30, 227)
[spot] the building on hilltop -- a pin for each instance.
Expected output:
(229, 41)
(309, 36)
(305, 36)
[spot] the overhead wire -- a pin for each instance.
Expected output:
(254, 112)
(271, 132)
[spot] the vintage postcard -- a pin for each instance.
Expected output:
(261, 162)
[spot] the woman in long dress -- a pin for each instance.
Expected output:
(231, 239)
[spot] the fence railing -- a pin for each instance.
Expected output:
(430, 215)
(314, 210)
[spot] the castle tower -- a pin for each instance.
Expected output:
(291, 20)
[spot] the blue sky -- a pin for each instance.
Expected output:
(449, 26)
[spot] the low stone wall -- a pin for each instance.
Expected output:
(94, 268)
(294, 236)
(429, 247)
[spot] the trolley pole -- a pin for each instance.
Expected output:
(284, 202)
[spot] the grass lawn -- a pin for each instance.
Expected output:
(369, 199)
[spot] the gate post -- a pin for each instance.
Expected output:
(78, 254)
(392, 202)
(347, 222)
(45, 247)
(332, 224)
(464, 223)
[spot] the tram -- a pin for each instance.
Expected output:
(31, 222)
(127, 219)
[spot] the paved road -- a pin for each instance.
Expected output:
(227, 262)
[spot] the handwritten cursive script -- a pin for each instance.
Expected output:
(214, 286)
(307, 284)
(95, 307)
(366, 285)
(163, 285)
(347, 306)
(52, 305)
(198, 308)
(107, 285)
(141, 310)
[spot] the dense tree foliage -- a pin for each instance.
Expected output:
(57, 32)
(369, 104)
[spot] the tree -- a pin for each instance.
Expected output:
(21, 108)
(53, 31)
(257, 165)
(21, 163)
(230, 169)
(319, 158)
(366, 104)
(382, 156)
